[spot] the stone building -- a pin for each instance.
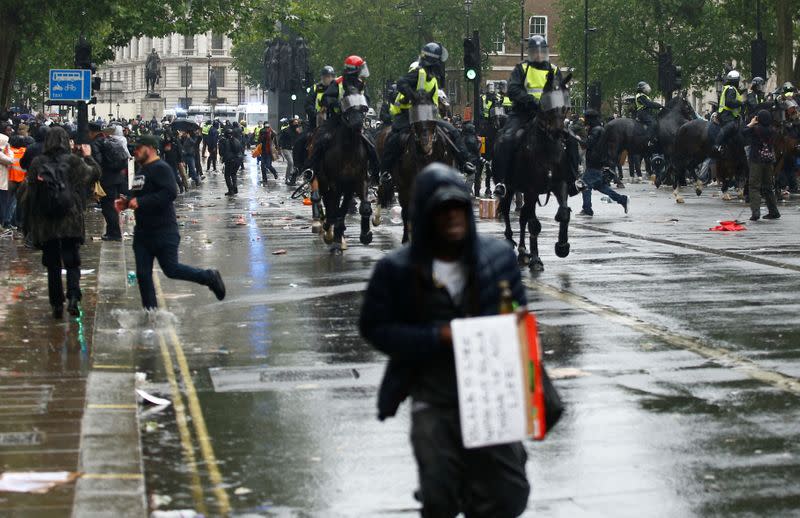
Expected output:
(185, 65)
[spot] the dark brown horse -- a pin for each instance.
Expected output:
(425, 143)
(344, 172)
(540, 166)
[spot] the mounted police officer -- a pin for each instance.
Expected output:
(353, 77)
(525, 89)
(646, 109)
(314, 100)
(788, 90)
(729, 111)
(754, 97)
(425, 75)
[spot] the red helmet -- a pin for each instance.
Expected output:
(356, 65)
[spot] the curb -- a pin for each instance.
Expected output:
(110, 456)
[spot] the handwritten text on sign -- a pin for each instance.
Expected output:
(491, 387)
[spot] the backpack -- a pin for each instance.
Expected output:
(114, 156)
(765, 153)
(54, 193)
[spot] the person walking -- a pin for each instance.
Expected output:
(187, 145)
(447, 271)
(761, 138)
(286, 141)
(231, 150)
(156, 233)
(212, 140)
(595, 162)
(267, 139)
(54, 206)
(112, 161)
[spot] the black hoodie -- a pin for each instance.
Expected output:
(393, 319)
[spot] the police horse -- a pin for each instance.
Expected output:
(343, 173)
(541, 166)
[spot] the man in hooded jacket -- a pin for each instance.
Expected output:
(60, 238)
(447, 271)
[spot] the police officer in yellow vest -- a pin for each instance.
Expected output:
(502, 92)
(314, 100)
(646, 109)
(788, 90)
(729, 111)
(424, 77)
(525, 88)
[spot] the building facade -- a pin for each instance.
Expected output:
(185, 65)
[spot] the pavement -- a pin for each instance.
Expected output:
(674, 348)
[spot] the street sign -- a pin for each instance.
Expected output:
(70, 85)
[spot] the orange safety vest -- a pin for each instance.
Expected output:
(15, 172)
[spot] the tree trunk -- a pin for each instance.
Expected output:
(9, 52)
(785, 43)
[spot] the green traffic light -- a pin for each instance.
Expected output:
(471, 74)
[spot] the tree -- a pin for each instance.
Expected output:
(703, 35)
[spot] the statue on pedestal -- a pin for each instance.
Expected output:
(152, 73)
(212, 84)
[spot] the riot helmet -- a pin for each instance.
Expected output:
(644, 88)
(537, 49)
(788, 87)
(733, 78)
(433, 53)
(757, 84)
(356, 66)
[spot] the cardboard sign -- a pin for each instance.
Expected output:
(498, 367)
(491, 381)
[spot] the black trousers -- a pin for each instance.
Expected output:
(230, 170)
(507, 141)
(66, 252)
(164, 247)
(481, 482)
(110, 214)
(212, 158)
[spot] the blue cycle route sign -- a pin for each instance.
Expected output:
(70, 85)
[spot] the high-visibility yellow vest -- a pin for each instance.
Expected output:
(724, 107)
(535, 79)
(485, 102)
(206, 129)
(401, 104)
(319, 89)
(638, 102)
(507, 102)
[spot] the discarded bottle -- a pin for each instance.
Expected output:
(506, 298)
(131, 278)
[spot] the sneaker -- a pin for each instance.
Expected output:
(216, 285)
(756, 217)
(777, 215)
(626, 204)
(109, 238)
(73, 308)
(585, 214)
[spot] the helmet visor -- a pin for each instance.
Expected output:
(445, 54)
(555, 100)
(538, 54)
(364, 72)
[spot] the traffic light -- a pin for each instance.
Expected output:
(472, 60)
(665, 70)
(83, 54)
(677, 80)
(758, 57)
(595, 96)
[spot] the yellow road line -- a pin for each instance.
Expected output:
(719, 354)
(114, 476)
(183, 428)
(109, 406)
(206, 449)
(105, 366)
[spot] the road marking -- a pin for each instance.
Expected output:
(183, 427)
(206, 449)
(712, 352)
(109, 406)
(697, 248)
(104, 366)
(113, 476)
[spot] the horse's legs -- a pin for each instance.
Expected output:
(505, 209)
(535, 226)
(366, 211)
(346, 198)
(523, 257)
(331, 202)
(676, 186)
(563, 216)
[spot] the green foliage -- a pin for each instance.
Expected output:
(703, 34)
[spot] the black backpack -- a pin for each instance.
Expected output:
(114, 156)
(54, 194)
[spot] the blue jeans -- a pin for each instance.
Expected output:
(593, 178)
(190, 168)
(266, 164)
(163, 246)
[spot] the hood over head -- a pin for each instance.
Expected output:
(436, 184)
(56, 142)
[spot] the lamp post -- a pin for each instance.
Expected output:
(522, 30)
(586, 31)
(418, 16)
(186, 84)
(468, 7)
(294, 98)
(110, 114)
(117, 111)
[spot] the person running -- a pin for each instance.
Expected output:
(156, 235)
(595, 162)
(58, 184)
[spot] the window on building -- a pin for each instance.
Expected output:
(217, 40)
(186, 76)
(133, 79)
(538, 25)
(499, 43)
(220, 76)
(188, 44)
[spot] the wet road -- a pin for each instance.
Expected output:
(676, 348)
